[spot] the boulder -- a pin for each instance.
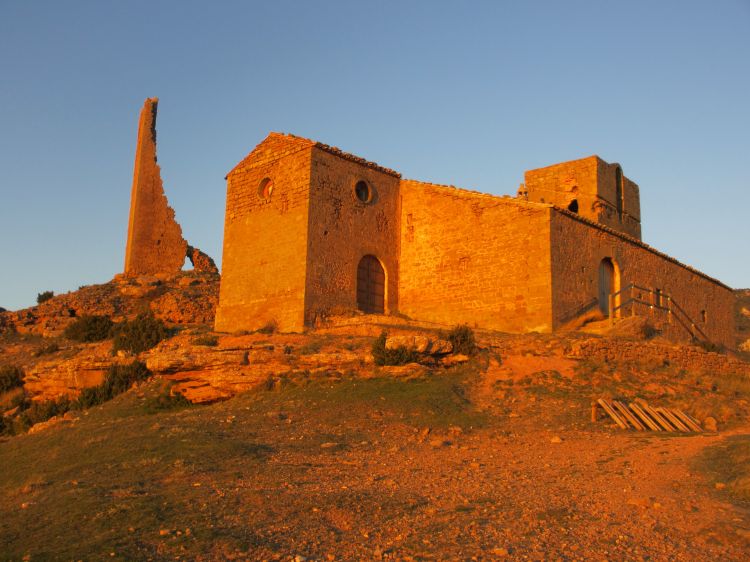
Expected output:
(745, 346)
(420, 344)
(457, 359)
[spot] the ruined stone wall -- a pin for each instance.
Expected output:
(591, 182)
(343, 229)
(692, 359)
(265, 238)
(155, 243)
(472, 258)
(579, 247)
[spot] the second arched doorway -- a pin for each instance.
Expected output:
(608, 284)
(370, 286)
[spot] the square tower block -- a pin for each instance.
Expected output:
(592, 188)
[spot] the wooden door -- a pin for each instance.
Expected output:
(606, 284)
(370, 286)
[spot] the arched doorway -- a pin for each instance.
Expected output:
(607, 284)
(370, 286)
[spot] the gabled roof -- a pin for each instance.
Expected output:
(301, 143)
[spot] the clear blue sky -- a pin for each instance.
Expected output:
(465, 93)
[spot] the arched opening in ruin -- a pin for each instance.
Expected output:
(618, 191)
(370, 285)
(609, 283)
(573, 207)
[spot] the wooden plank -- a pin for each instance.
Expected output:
(623, 409)
(612, 414)
(644, 417)
(656, 416)
(673, 420)
(684, 418)
(664, 422)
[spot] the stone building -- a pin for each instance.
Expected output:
(312, 233)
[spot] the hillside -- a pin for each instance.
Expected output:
(300, 447)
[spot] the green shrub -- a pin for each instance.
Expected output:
(165, 400)
(90, 328)
(118, 379)
(710, 346)
(207, 340)
(47, 349)
(399, 356)
(269, 327)
(10, 377)
(44, 297)
(38, 412)
(140, 334)
(311, 347)
(462, 338)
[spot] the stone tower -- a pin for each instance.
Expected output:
(590, 187)
(155, 243)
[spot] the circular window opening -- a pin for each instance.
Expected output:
(362, 191)
(265, 188)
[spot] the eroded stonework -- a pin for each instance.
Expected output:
(155, 243)
(312, 232)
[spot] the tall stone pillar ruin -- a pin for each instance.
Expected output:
(155, 243)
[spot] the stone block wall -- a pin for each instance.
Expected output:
(343, 229)
(472, 258)
(578, 247)
(154, 243)
(592, 183)
(265, 238)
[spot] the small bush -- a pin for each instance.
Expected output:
(399, 356)
(462, 338)
(166, 400)
(10, 377)
(270, 327)
(38, 412)
(47, 349)
(311, 347)
(140, 334)
(44, 297)
(207, 340)
(710, 346)
(118, 379)
(90, 328)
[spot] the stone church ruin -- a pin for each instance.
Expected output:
(312, 232)
(155, 243)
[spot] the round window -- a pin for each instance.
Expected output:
(362, 191)
(265, 189)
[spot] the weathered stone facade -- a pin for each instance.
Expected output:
(155, 243)
(312, 232)
(591, 188)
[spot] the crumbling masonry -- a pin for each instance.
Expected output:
(312, 232)
(155, 243)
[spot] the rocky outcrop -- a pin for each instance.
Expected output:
(49, 380)
(420, 344)
(184, 298)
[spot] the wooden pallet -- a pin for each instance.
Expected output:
(640, 416)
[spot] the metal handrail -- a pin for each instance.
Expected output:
(692, 328)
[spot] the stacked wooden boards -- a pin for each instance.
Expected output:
(640, 416)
